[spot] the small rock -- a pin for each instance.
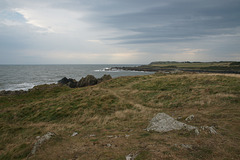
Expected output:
(41, 140)
(131, 156)
(37, 137)
(189, 118)
(110, 136)
(109, 145)
(210, 129)
(179, 117)
(126, 135)
(74, 134)
(197, 131)
(92, 135)
(187, 146)
(128, 157)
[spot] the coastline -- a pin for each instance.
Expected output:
(25, 77)
(28, 77)
(196, 67)
(140, 69)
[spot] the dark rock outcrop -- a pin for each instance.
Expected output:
(69, 82)
(72, 83)
(105, 77)
(64, 80)
(89, 80)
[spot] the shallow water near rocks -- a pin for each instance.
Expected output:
(24, 77)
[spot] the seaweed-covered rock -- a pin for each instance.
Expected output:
(89, 80)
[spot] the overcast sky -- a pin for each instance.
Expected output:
(118, 31)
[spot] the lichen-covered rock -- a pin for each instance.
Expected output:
(164, 123)
(40, 140)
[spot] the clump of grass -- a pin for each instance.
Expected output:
(203, 152)
(143, 155)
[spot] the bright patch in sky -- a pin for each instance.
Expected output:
(11, 18)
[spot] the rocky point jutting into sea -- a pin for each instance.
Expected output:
(173, 67)
(89, 80)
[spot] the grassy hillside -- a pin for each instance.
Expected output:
(110, 119)
(203, 66)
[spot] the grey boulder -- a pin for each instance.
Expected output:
(164, 123)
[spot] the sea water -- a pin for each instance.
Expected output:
(24, 77)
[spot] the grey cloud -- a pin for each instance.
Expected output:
(175, 20)
(155, 26)
(104, 7)
(3, 4)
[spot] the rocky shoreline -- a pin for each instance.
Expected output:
(169, 69)
(89, 80)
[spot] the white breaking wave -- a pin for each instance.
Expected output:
(115, 70)
(21, 86)
(107, 70)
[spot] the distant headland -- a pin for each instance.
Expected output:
(173, 66)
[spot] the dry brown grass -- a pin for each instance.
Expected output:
(118, 111)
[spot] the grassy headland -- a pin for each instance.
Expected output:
(110, 119)
(168, 66)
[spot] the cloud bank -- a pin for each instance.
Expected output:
(114, 31)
